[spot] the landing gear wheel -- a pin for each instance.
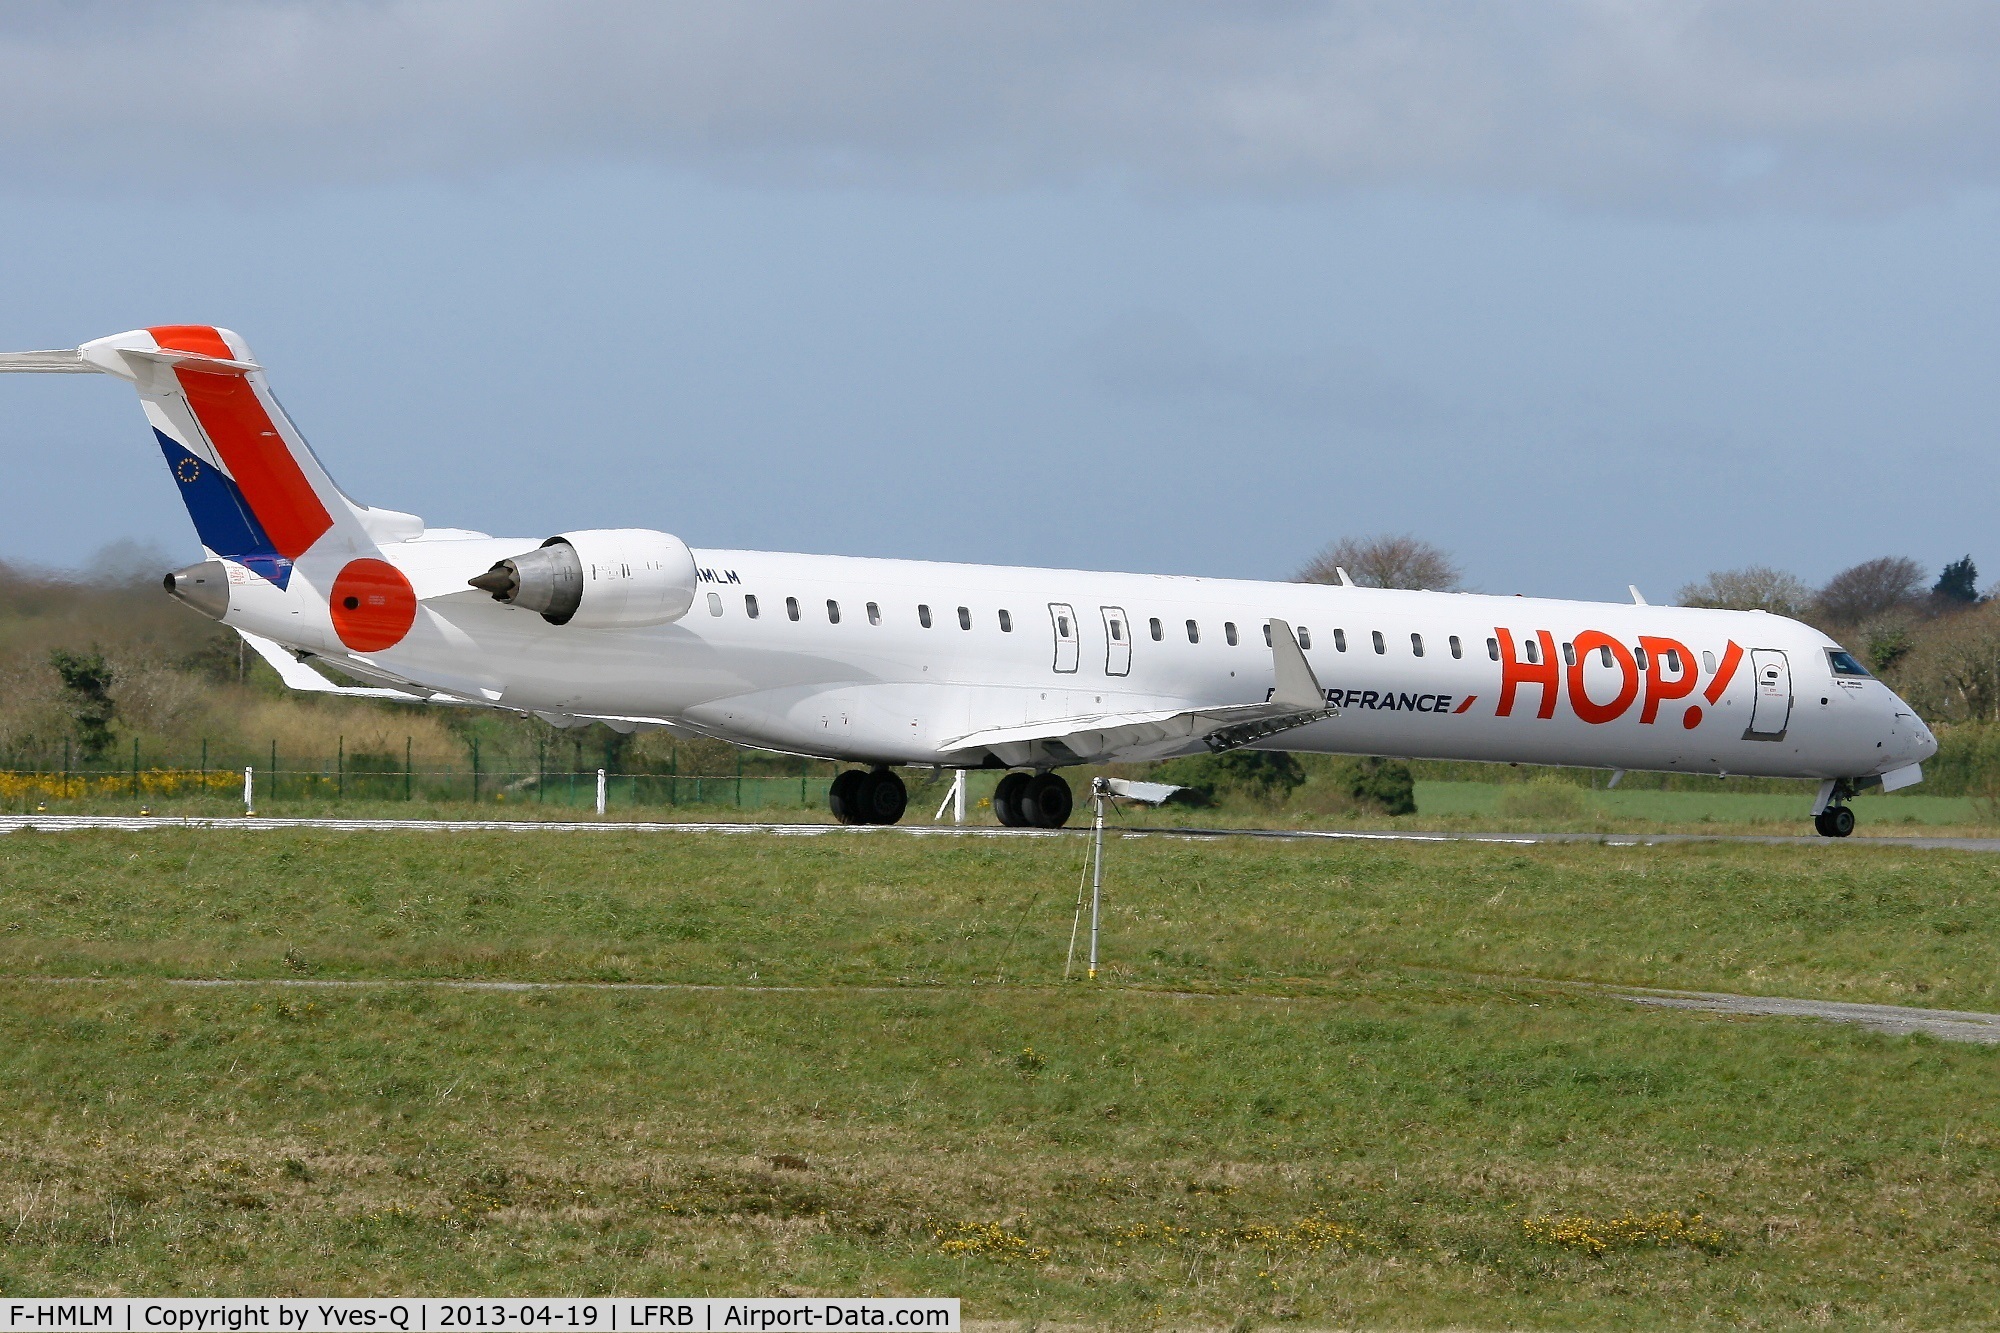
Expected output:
(882, 797)
(1007, 800)
(1046, 801)
(843, 798)
(1836, 821)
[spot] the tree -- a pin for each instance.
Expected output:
(86, 682)
(1958, 585)
(1384, 562)
(1872, 588)
(1951, 671)
(1752, 588)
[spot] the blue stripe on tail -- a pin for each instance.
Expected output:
(222, 517)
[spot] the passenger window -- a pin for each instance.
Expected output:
(792, 607)
(923, 615)
(1708, 661)
(1305, 638)
(1569, 654)
(1154, 626)
(1533, 649)
(1062, 627)
(1604, 655)
(1117, 631)
(1380, 647)
(964, 618)
(750, 605)
(874, 614)
(832, 612)
(1267, 634)
(1456, 651)
(1340, 641)
(1194, 632)
(1493, 649)
(714, 604)
(1639, 656)
(1229, 632)
(1006, 622)
(1416, 645)
(1673, 661)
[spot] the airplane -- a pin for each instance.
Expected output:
(882, 663)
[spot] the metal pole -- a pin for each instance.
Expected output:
(600, 791)
(340, 768)
(249, 790)
(958, 798)
(406, 767)
(1096, 869)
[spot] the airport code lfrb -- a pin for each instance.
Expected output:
(623, 1314)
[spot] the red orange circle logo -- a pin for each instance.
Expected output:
(1692, 718)
(373, 605)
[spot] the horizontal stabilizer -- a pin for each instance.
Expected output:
(68, 362)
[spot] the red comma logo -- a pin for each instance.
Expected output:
(373, 605)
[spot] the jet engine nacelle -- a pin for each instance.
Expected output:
(607, 578)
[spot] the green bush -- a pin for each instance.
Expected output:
(1265, 777)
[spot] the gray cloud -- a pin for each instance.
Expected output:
(1162, 358)
(1640, 104)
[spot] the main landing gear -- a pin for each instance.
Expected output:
(1032, 800)
(867, 796)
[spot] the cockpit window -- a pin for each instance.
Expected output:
(1843, 664)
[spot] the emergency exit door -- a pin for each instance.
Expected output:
(1771, 706)
(1063, 621)
(1117, 642)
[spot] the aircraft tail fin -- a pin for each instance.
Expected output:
(255, 490)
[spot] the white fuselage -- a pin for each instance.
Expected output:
(879, 685)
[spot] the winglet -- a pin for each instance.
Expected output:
(1296, 686)
(1638, 599)
(1345, 581)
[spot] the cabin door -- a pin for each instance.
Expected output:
(1771, 709)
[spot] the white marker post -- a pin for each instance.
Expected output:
(955, 798)
(600, 792)
(249, 790)
(1098, 787)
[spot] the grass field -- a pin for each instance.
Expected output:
(1316, 1086)
(1465, 806)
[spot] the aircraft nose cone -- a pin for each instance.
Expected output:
(1908, 741)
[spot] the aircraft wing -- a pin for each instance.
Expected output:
(1296, 701)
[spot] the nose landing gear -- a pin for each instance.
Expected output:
(1834, 819)
(867, 796)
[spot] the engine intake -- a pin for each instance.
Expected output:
(605, 578)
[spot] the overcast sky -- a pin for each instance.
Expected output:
(1587, 293)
